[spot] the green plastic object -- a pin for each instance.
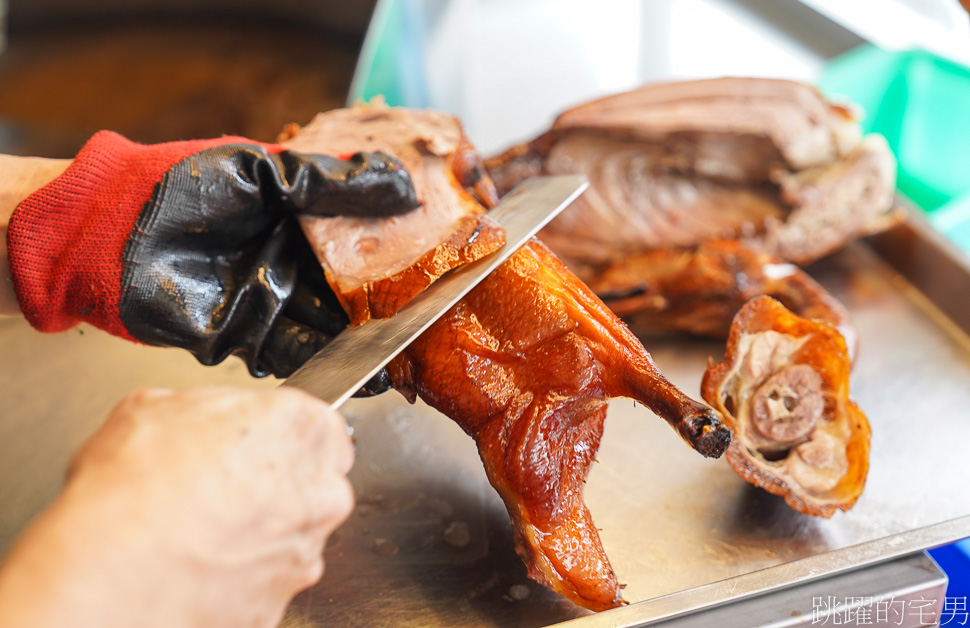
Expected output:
(953, 219)
(921, 103)
(391, 64)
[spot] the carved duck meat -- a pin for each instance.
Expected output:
(783, 388)
(524, 364)
(376, 266)
(766, 161)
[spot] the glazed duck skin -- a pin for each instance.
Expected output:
(783, 389)
(525, 365)
(700, 289)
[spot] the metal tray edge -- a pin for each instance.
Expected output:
(778, 577)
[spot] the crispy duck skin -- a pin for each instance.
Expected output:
(761, 160)
(525, 365)
(376, 266)
(783, 389)
(700, 289)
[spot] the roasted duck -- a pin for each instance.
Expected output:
(524, 364)
(783, 388)
(703, 196)
(700, 289)
(764, 161)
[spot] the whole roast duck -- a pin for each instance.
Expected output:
(705, 198)
(524, 364)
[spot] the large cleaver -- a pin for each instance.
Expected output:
(338, 370)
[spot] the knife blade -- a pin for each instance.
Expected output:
(355, 355)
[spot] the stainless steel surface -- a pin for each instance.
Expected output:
(353, 357)
(906, 592)
(796, 577)
(682, 532)
(930, 261)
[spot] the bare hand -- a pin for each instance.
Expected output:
(204, 507)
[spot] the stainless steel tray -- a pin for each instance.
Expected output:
(429, 542)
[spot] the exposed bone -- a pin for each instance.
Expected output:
(787, 406)
(814, 451)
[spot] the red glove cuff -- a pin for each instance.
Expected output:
(65, 241)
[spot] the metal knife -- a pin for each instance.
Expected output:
(338, 370)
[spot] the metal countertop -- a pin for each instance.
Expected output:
(682, 532)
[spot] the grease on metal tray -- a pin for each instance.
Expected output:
(519, 592)
(457, 534)
(384, 547)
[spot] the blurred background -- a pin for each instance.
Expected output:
(158, 70)
(508, 66)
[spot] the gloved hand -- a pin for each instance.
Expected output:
(204, 507)
(195, 245)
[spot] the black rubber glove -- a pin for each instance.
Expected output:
(196, 245)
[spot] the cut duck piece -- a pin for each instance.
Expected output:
(727, 128)
(783, 388)
(835, 204)
(525, 364)
(635, 204)
(375, 266)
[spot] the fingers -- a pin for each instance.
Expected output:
(319, 481)
(281, 452)
(368, 185)
(328, 434)
(230, 493)
(330, 500)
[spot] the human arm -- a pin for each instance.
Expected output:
(195, 245)
(206, 507)
(21, 177)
